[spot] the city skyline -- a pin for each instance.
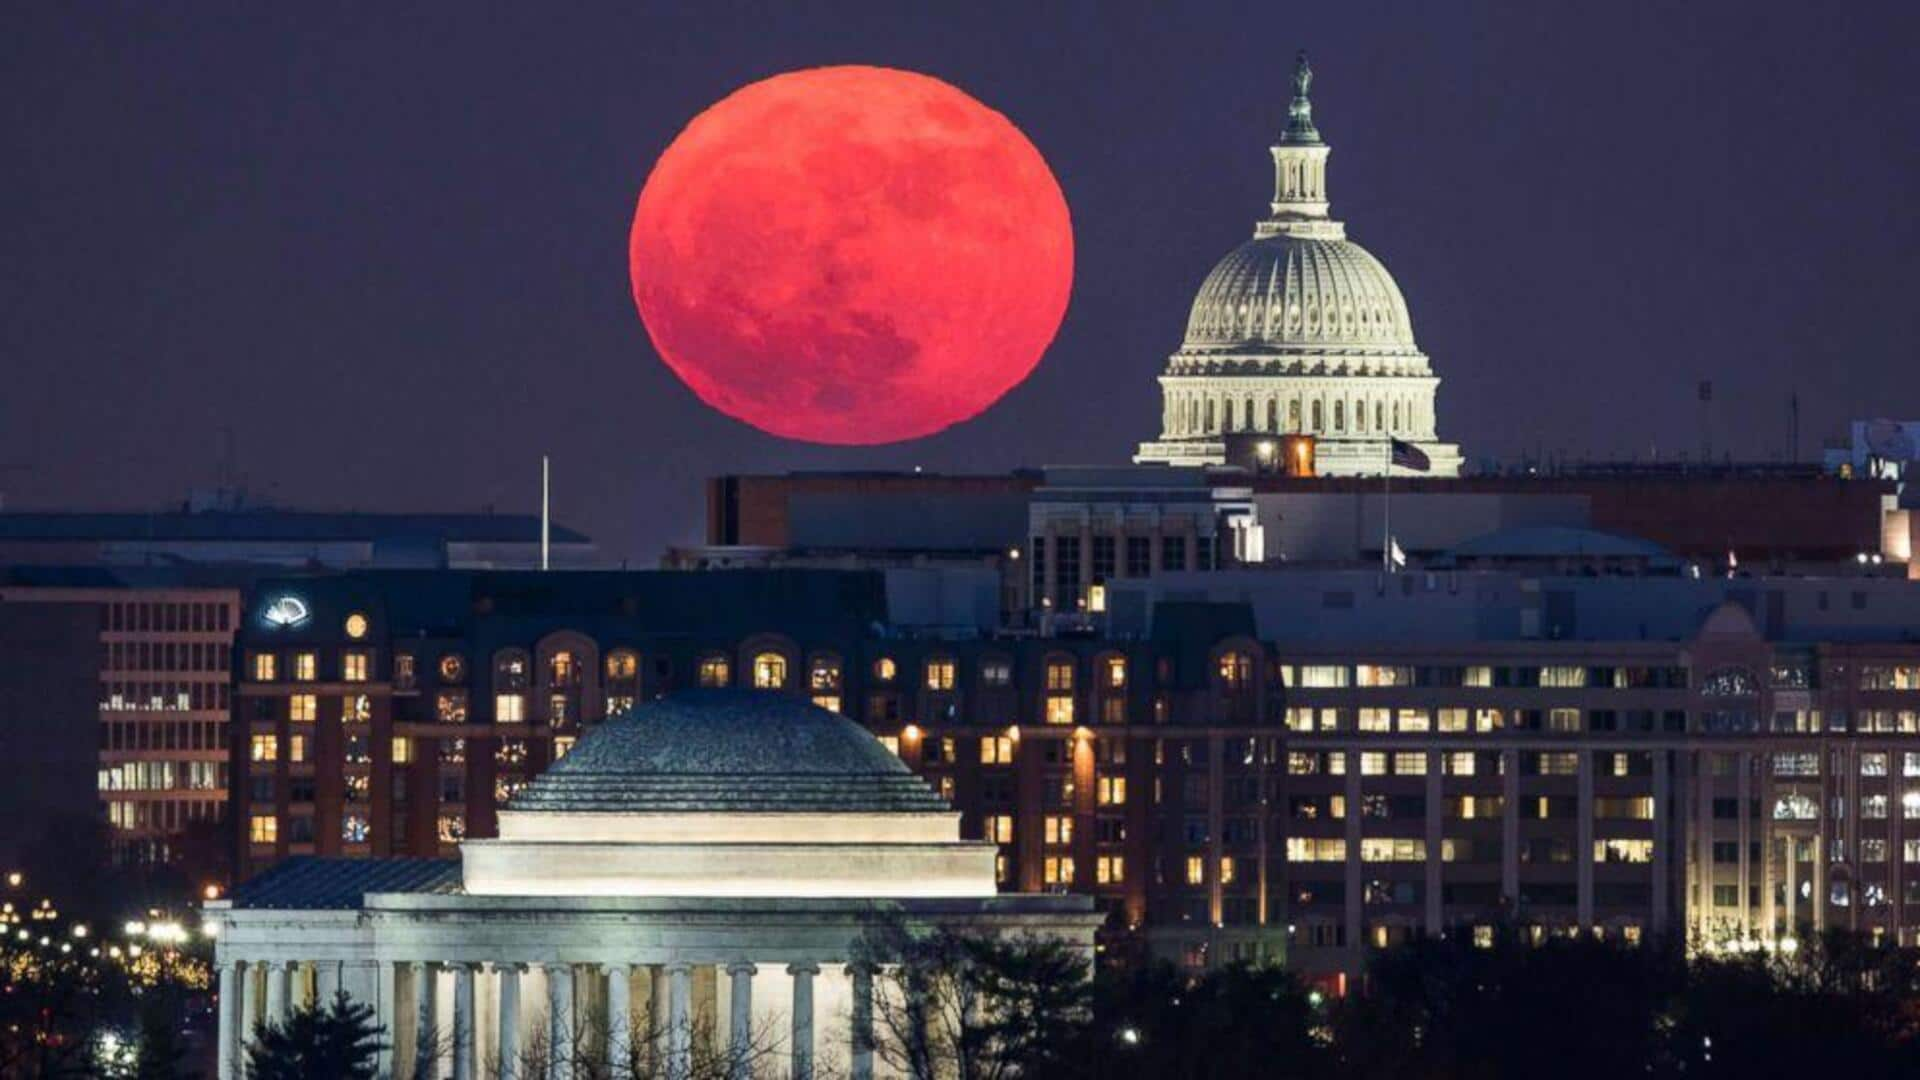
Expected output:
(389, 257)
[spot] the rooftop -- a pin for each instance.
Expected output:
(729, 751)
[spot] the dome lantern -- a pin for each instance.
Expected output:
(1299, 167)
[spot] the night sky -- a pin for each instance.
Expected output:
(387, 250)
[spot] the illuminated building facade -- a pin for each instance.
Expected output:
(158, 704)
(1236, 764)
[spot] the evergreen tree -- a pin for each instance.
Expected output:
(340, 1042)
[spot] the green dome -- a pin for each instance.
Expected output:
(729, 751)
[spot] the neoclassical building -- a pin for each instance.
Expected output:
(1300, 331)
(696, 875)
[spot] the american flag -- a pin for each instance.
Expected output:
(1408, 456)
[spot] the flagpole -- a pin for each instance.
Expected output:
(1386, 516)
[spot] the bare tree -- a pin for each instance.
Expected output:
(971, 1005)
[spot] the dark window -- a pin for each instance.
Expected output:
(1139, 556)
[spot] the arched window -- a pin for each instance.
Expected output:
(715, 671)
(1209, 417)
(1379, 416)
(622, 666)
(563, 669)
(769, 671)
(1235, 670)
(1319, 420)
(884, 669)
(1339, 416)
(1293, 415)
(1360, 416)
(1396, 417)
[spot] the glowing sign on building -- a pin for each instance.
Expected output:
(287, 611)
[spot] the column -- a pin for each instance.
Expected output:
(326, 983)
(740, 1020)
(619, 1019)
(802, 1020)
(1351, 871)
(229, 1008)
(1509, 829)
(1664, 835)
(426, 1041)
(1743, 785)
(560, 1021)
(249, 1005)
(463, 1023)
(679, 1021)
(387, 1010)
(862, 1026)
(279, 981)
(509, 1023)
(1436, 765)
(1583, 844)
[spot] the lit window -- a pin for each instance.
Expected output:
(353, 666)
(402, 750)
(562, 744)
(1410, 763)
(562, 669)
(1057, 870)
(996, 672)
(1373, 763)
(264, 668)
(451, 708)
(1059, 675)
(1112, 790)
(452, 668)
(715, 671)
(266, 747)
(940, 674)
(892, 743)
(1000, 868)
(996, 750)
(1059, 829)
(451, 829)
(357, 709)
(999, 828)
(1623, 851)
(353, 829)
(769, 671)
(946, 788)
(1110, 870)
(823, 675)
(1226, 869)
(884, 669)
(1059, 710)
(1236, 671)
(829, 702)
(622, 665)
(509, 709)
(1196, 870)
(297, 748)
(303, 708)
(1116, 672)
(263, 829)
(356, 626)
(306, 666)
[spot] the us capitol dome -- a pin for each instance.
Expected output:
(1300, 331)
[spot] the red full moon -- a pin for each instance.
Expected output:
(851, 255)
